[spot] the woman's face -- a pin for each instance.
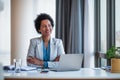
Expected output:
(45, 27)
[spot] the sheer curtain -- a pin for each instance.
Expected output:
(89, 34)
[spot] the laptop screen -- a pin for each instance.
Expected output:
(70, 62)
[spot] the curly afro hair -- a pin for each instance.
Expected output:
(41, 17)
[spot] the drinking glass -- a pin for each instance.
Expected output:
(17, 65)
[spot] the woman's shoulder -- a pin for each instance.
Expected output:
(56, 40)
(35, 39)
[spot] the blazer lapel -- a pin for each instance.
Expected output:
(40, 49)
(52, 49)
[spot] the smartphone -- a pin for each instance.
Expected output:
(44, 71)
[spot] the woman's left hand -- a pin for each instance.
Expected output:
(57, 58)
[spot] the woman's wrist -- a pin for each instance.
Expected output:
(45, 65)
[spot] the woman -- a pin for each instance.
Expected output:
(44, 51)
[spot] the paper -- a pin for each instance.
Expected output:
(27, 68)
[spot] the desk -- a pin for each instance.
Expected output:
(83, 74)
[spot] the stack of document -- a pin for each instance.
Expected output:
(23, 68)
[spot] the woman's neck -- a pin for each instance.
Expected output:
(46, 39)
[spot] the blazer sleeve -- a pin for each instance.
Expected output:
(31, 51)
(60, 51)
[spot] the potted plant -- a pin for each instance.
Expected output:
(114, 55)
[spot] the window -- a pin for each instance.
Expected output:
(108, 22)
(117, 23)
(5, 45)
(103, 26)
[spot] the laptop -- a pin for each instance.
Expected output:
(69, 62)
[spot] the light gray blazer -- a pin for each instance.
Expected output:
(36, 50)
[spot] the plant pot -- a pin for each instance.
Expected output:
(115, 65)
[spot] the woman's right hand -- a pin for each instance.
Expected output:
(35, 61)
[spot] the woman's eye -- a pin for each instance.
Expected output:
(49, 25)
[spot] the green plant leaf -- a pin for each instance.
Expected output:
(111, 52)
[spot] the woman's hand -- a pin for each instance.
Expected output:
(35, 61)
(57, 58)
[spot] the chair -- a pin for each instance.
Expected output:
(98, 57)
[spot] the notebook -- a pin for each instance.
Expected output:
(69, 62)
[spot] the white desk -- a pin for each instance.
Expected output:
(83, 74)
